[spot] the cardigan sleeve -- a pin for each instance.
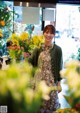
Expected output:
(60, 62)
(57, 62)
(33, 59)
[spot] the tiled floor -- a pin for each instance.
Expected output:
(62, 100)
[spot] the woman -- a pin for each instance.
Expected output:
(49, 59)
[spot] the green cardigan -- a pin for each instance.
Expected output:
(56, 60)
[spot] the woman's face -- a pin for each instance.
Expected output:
(48, 36)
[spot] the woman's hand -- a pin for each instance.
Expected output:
(26, 54)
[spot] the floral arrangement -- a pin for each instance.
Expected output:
(15, 52)
(24, 44)
(19, 46)
(16, 91)
(72, 75)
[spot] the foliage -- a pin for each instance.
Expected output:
(6, 18)
(16, 89)
(6, 15)
(72, 75)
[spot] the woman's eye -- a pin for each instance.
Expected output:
(46, 32)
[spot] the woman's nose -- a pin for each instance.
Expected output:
(49, 34)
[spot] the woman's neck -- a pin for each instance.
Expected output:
(48, 44)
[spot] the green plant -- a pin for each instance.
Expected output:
(6, 15)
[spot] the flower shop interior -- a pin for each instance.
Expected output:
(20, 19)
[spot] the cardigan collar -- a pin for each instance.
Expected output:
(44, 46)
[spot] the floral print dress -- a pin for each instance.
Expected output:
(44, 63)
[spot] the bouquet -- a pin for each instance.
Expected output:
(23, 45)
(15, 52)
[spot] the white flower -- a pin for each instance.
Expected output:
(44, 89)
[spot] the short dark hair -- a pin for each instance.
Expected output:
(49, 28)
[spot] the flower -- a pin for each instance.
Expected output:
(15, 89)
(24, 36)
(23, 45)
(2, 23)
(1, 34)
(24, 41)
(45, 91)
(36, 41)
(14, 38)
(72, 75)
(15, 51)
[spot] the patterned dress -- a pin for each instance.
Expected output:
(44, 63)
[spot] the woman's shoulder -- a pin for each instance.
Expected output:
(57, 47)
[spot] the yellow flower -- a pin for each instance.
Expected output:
(24, 36)
(35, 40)
(41, 39)
(1, 33)
(15, 42)
(45, 91)
(29, 93)
(14, 38)
(2, 23)
(11, 84)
